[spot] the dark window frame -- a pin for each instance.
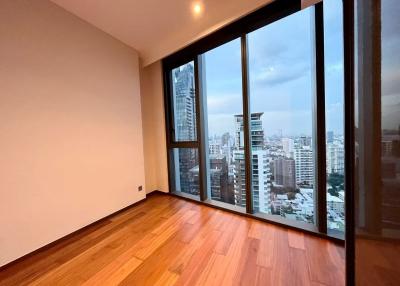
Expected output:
(268, 14)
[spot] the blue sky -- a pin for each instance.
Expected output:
(390, 64)
(281, 84)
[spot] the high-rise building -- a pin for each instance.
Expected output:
(256, 130)
(214, 147)
(219, 179)
(304, 165)
(225, 139)
(261, 180)
(329, 137)
(285, 172)
(335, 157)
(185, 126)
(288, 147)
(304, 141)
(227, 148)
(193, 186)
(184, 102)
(261, 177)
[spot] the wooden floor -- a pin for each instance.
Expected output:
(169, 241)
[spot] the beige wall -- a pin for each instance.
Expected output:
(70, 125)
(154, 128)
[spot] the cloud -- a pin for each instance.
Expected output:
(219, 103)
(293, 122)
(391, 115)
(281, 85)
(279, 74)
(220, 123)
(334, 68)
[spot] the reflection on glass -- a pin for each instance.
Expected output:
(390, 119)
(280, 65)
(377, 191)
(334, 88)
(184, 103)
(186, 170)
(223, 95)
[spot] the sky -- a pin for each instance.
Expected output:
(390, 64)
(280, 70)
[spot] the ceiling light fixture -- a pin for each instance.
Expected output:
(197, 8)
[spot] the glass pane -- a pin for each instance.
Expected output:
(280, 65)
(186, 170)
(377, 146)
(223, 86)
(184, 103)
(334, 88)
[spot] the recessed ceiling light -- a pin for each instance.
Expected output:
(197, 8)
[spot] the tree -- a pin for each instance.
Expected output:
(336, 181)
(291, 195)
(333, 192)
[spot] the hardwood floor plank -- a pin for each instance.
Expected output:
(168, 278)
(235, 252)
(179, 264)
(114, 272)
(266, 249)
(154, 241)
(198, 261)
(297, 268)
(217, 267)
(247, 274)
(280, 274)
(169, 241)
(223, 245)
(151, 270)
(256, 229)
(263, 276)
(296, 239)
(321, 267)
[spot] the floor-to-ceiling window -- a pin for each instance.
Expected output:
(281, 104)
(334, 113)
(255, 116)
(184, 159)
(222, 94)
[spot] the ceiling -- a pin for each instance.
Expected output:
(157, 28)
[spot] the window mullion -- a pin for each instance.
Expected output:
(201, 121)
(319, 121)
(247, 124)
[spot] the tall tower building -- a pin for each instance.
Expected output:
(303, 156)
(304, 141)
(185, 127)
(288, 147)
(330, 136)
(219, 178)
(335, 158)
(285, 172)
(261, 177)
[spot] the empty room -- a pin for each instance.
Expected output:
(200, 142)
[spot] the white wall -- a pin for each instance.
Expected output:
(71, 148)
(153, 117)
